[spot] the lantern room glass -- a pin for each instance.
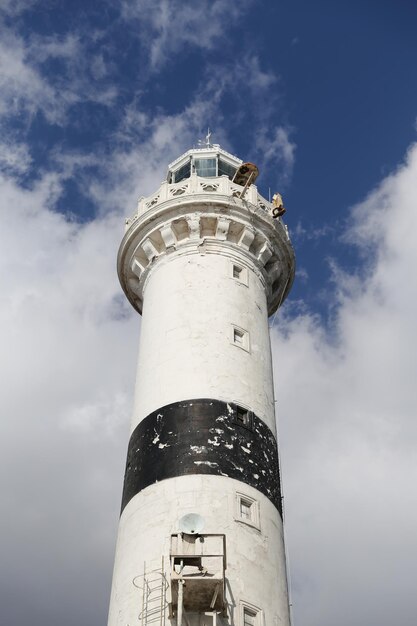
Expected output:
(206, 167)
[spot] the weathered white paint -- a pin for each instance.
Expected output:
(176, 267)
(207, 219)
(186, 351)
(255, 558)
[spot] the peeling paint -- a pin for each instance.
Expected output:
(193, 443)
(209, 463)
(198, 449)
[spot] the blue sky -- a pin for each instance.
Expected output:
(96, 98)
(335, 78)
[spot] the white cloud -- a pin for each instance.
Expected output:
(254, 76)
(15, 7)
(14, 157)
(67, 361)
(169, 26)
(25, 89)
(302, 233)
(146, 144)
(254, 92)
(21, 86)
(42, 49)
(277, 149)
(346, 404)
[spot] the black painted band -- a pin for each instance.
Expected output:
(202, 437)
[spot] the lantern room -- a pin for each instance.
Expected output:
(207, 162)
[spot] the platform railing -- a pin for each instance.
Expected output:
(197, 185)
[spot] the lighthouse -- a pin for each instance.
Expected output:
(205, 260)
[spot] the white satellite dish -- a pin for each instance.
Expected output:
(191, 524)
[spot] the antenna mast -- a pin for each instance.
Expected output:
(206, 141)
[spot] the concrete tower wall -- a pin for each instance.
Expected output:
(192, 305)
(205, 268)
(255, 553)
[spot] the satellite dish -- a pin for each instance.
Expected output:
(191, 524)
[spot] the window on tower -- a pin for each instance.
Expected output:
(250, 615)
(205, 167)
(239, 273)
(245, 507)
(183, 172)
(226, 169)
(244, 417)
(240, 338)
(247, 510)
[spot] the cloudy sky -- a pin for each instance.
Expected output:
(96, 97)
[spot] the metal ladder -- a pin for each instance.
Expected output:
(153, 585)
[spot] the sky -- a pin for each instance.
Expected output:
(96, 98)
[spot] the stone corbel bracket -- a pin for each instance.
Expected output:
(251, 237)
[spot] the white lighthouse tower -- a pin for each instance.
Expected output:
(205, 260)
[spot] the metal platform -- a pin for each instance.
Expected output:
(198, 564)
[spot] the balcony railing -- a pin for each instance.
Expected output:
(196, 185)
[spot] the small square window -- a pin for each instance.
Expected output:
(239, 273)
(245, 507)
(250, 615)
(240, 338)
(247, 510)
(244, 417)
